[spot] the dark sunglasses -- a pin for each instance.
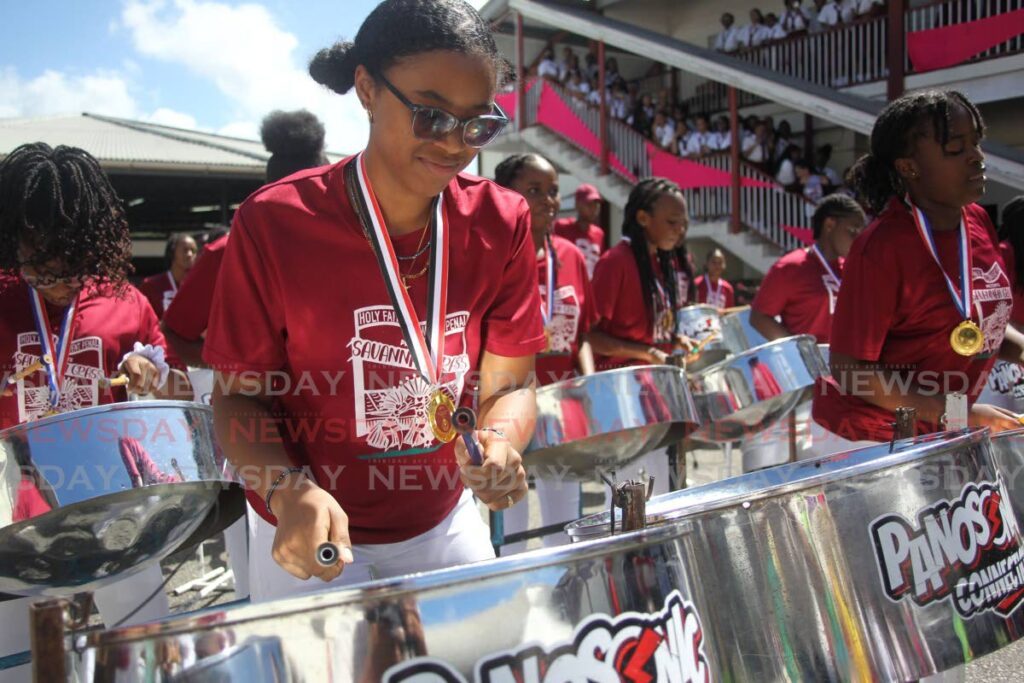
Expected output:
(432, 123)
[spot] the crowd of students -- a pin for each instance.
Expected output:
(796, 18)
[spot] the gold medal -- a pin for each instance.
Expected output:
(967, 338)
(440, 412)
(547, 340)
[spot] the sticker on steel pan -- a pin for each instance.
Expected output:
(966, 550)
(666, 646)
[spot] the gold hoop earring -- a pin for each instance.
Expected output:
(369, 115)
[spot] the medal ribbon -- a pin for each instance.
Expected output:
(718, 290)
(825, 265)
(963, 298)
(427, 352)
(552, 275)
(174, 285)
(55, 360)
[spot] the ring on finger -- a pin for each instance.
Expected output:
(509, 500)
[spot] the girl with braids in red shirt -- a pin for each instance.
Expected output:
(636, 295)
(926, 295)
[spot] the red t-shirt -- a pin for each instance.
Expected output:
(894, 308)
(720, 295)
(160, 290)
(310, 303)
(589, 240)
(800, 291)
(189, 314)
(574, 312)
(104, 330)
(620, 306)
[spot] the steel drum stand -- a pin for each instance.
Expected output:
(52, 622)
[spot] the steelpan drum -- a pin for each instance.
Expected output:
(737, 332)
(748, 392)
(89, 496)
(607, 419)
(865, 565)
(610, 610)
(702, 324)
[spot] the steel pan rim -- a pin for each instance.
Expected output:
(912, 450)
(391, 588)
(574, 382)
(101, 409)
(756, 351)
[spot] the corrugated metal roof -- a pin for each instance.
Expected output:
(137, 144)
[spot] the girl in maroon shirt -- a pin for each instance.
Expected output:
(568, 309)
(326, 278)
(898, 334)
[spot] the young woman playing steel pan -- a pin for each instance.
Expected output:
(925, 297)
(567, 306)
(68, 319)
(333, 400)
(636, 295)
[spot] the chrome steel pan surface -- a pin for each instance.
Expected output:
(704, 325)
(865, 565)
(89, 496)
(605, 420)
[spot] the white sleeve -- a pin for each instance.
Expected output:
(787, 175)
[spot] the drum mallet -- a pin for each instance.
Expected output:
(464, 421)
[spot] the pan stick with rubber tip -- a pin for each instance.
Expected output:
(119, 381)
(18, 376)
(327, 554)
(464, 421)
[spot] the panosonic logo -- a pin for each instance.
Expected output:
(636, 648)
(967, 550)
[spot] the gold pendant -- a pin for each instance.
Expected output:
(547, 340)
(440, 412)
(967, 338)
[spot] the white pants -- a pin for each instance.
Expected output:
(460, 538)
(114, 603)
(653, 464)
(559, 502)
(236, 545)
(824, 442)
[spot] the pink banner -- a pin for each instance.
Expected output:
(939, 48)
(691, 175)
(555, 114)
(507, 101)
(805, 235)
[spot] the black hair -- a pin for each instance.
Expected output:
(510, 167)
(172, 245)
(834, 206)
(711, 254)
(401, 28)
(295, 140)
(896, 130)
(643, 198)
(1011, 230)
(803, 162)
(61, 203)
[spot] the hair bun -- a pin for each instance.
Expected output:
(335, 67)
(293, 133)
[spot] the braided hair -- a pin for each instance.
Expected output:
(1011, 230)
(896, 130)
(643, 197)
(59, 202)
(401, 28)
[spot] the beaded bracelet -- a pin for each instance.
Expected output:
(495, 431)
(277, 482)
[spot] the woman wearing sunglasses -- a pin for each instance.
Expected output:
(379, 290)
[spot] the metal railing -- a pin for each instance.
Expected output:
(855, 53)
(764, 209)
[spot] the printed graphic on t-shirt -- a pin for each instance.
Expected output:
(564, 325)
(664, 322)
(391, 399)
(591, 254)
(717, 299)
(80, 388)
(168, 298)
(993, 303)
